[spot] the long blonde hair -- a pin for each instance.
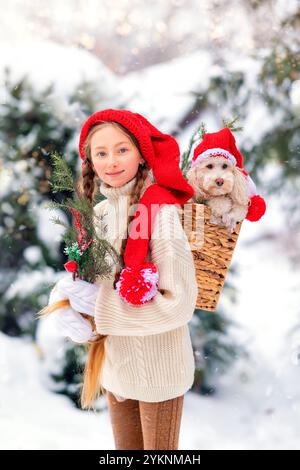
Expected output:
(92, 386)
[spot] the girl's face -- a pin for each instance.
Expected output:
(115, 158)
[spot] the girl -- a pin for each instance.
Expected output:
(143, 362)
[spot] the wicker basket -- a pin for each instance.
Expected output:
(212, 250)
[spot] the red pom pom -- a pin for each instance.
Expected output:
(256, 209)
(71, 266)
(138, 285)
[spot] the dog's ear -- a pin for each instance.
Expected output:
(239, 193)
(193, 178)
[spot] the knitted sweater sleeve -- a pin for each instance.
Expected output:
(174, 303)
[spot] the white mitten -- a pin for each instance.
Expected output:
(81, 294)
(67, 321)
(72, 325)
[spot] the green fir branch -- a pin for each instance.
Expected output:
(202, 129)
(185, 159)
(231, 124)
(56, 220)
(62, 177)
(100, 256)
(186, 156)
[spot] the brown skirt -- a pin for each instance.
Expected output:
(145, 425)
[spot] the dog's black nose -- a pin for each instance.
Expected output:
(219, 181)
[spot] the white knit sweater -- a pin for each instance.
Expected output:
(148, 353)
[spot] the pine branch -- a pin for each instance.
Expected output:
(70, 235)
(58, 221)
(202, 130)
(62, 178)
(231, 124)
(92, 254)
(185, 159)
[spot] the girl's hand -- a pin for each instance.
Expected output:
(81, 294)
(71, 324)
(68, 322)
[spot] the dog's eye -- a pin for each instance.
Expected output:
(210, 166)
(225, 166)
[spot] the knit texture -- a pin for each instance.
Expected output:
(148, 354)
(138, 280)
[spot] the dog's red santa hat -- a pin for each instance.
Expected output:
(138, 280)
(222, 144)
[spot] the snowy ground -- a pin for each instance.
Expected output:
(258, 402)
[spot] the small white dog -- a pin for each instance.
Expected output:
(223, 187)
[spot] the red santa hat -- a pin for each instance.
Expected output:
(222, 144)
(138, 282)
